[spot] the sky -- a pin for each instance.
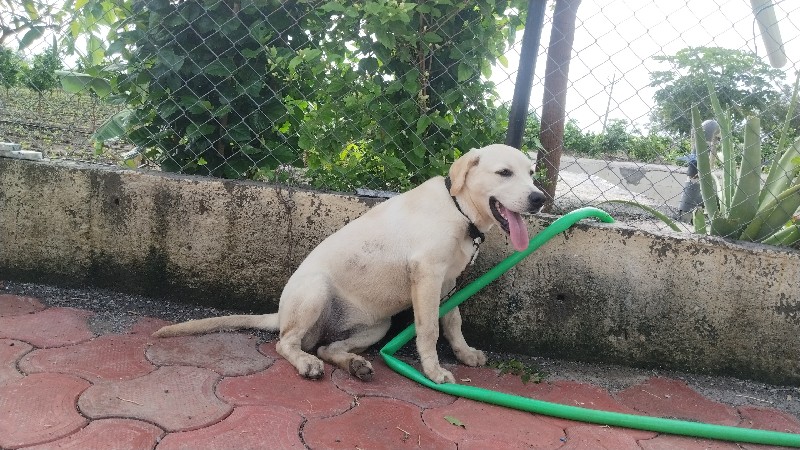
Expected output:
(616, 39)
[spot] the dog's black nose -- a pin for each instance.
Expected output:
(535, 201)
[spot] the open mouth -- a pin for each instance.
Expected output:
(511, 222)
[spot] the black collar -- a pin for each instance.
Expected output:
(474, 233)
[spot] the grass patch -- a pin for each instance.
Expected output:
(526, 372)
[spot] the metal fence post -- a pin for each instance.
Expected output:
(527, 66)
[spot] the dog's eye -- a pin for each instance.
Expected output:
(505, 173)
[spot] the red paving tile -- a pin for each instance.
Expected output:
(119, 434)
(10, 352)
(373, 424)
(768, 419)
(488, 378)
(110, 357)
(280, 385)
(39, 408)
(133, 402)
(54, 327)
(483, 423)
(147, 326)
(14, 305)
(668, 442)
(562, 392)
(174, 398)
(595, 437)
(666, 397)
(588, 396)
(228, 354)
(387, 383)
(248, 427)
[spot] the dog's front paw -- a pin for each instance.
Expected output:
(311, 367)
(361, 368)
(440, 375)
(471, 356)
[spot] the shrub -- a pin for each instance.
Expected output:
(41, 75)
(10, 68)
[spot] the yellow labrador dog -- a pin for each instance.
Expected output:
(405, 251)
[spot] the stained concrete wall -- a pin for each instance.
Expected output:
(598, 292)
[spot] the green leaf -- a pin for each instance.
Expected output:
(503, 60)
(223, 110)
(332, 7)
(76, 82)
(33, 34)
(422, 124)
(432, 38)
(221, 67)
(772, 216)
(30, 8)
(239, 133)
(295, 62)
(464, 72)
(455, 422)
(663, 217)
(170, 59)
(748, 186)
(780, 175)
(786, 236)
(113, 127)
(95, 50)
(709, 192)
(194, 131)
(385, 38)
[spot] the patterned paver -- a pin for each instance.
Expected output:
(228, 354)
(39, 408)
(665, 397)
(10, 353)
(668, 442)
(111, 357)
(768, 419)
(479, 423)
(174, 398)
(62, 387)
(15, 305)
(598, 438)
(374, 423)
(388, 383)
(54, 327)
(248, 427)
(126, 434)
(280, 385)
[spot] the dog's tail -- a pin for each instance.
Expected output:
(267, 322)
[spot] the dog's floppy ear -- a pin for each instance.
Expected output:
(459, 170)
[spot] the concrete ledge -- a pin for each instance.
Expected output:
(597, 292)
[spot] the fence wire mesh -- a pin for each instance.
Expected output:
(382, 94)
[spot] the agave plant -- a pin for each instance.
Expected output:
(738, 205)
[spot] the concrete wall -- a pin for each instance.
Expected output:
(597, 292)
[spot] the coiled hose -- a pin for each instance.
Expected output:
(656, 424)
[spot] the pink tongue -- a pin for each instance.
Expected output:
(517, 229)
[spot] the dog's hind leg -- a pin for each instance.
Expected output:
(343, 353)
(303, 305)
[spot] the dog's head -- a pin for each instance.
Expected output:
(496, 181)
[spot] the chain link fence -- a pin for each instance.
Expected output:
(382, 94)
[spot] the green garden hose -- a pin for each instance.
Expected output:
(656, 424)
